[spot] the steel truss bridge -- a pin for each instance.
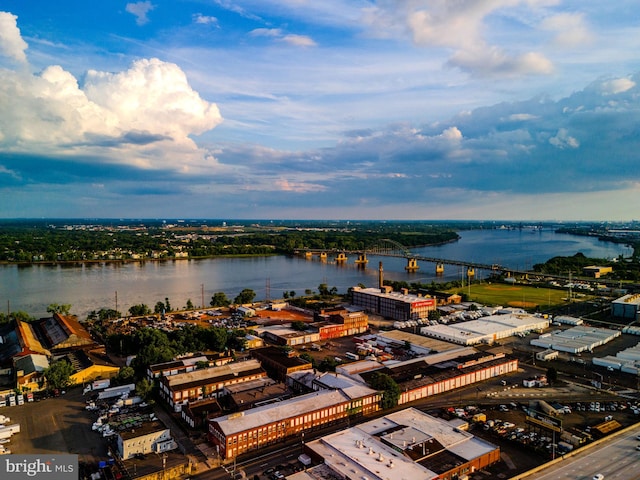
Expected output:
(390, 248)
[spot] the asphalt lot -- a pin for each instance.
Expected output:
(56, 425)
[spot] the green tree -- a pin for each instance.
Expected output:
(58, 374)
(159, 308)
(125, 375)
(389, 388)
(323, 290)
(219, 299)
(60, 308)
(144, 388)
(552, 375)
(299, 326)
(292, 294)
(167, 305)
(17, 315)
(189, 305)
(139, 310)
(434, 315)
(245, 296)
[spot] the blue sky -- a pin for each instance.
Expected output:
(339, 109)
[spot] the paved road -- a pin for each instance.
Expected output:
(616, 458)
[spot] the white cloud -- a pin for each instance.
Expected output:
(521, 117)
(460, 26)
(266, 32)
(140, 10)
(493, 61)
(290, 38)
(298, 40)
(11, 43)
(142, 116)
(570, 29)
(452, 133)
(205, 19)
(562, 140)
(618, 85)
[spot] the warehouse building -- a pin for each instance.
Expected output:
(403, 445)
(486, 329)
(178, 390)
(575, 340)
(241, 432)
(427, 376)
(627, 306)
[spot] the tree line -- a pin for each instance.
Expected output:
(33, 243)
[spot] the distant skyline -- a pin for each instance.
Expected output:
(340, 109)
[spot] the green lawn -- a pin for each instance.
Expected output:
(514, 295)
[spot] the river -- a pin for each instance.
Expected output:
(120, 285)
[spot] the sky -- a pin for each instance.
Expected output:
(332, 109)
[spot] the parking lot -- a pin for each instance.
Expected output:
(56, 425)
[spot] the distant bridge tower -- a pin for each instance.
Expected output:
(412, 265)
(341, 258)
(439, 269)
(362, 260)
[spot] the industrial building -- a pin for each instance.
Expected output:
(151, 437)
(575, 340)
(186, 364)
(427, 376)
(627, 360)
(178, 390)
(486, 329)
(279, 363)
(252, 429)
(393, 305)
(627, 306)
(408, 444)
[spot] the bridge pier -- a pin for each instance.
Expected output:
(471, 273)
(308, 255)
(323, 256)
(362, 260)
(341, 258)
(439, 269)
(412, 265)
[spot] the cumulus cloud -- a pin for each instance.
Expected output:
(140, 10)
(562, 139)
(141, 117)
(617, 85)
(461, 27)
(204, 19)
(11, 43)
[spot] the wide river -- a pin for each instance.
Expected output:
(93, 286)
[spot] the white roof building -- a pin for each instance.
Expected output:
(486, 329)
(405, 445)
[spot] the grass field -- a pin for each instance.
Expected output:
(522, 296)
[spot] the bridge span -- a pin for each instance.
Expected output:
(391, 248)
